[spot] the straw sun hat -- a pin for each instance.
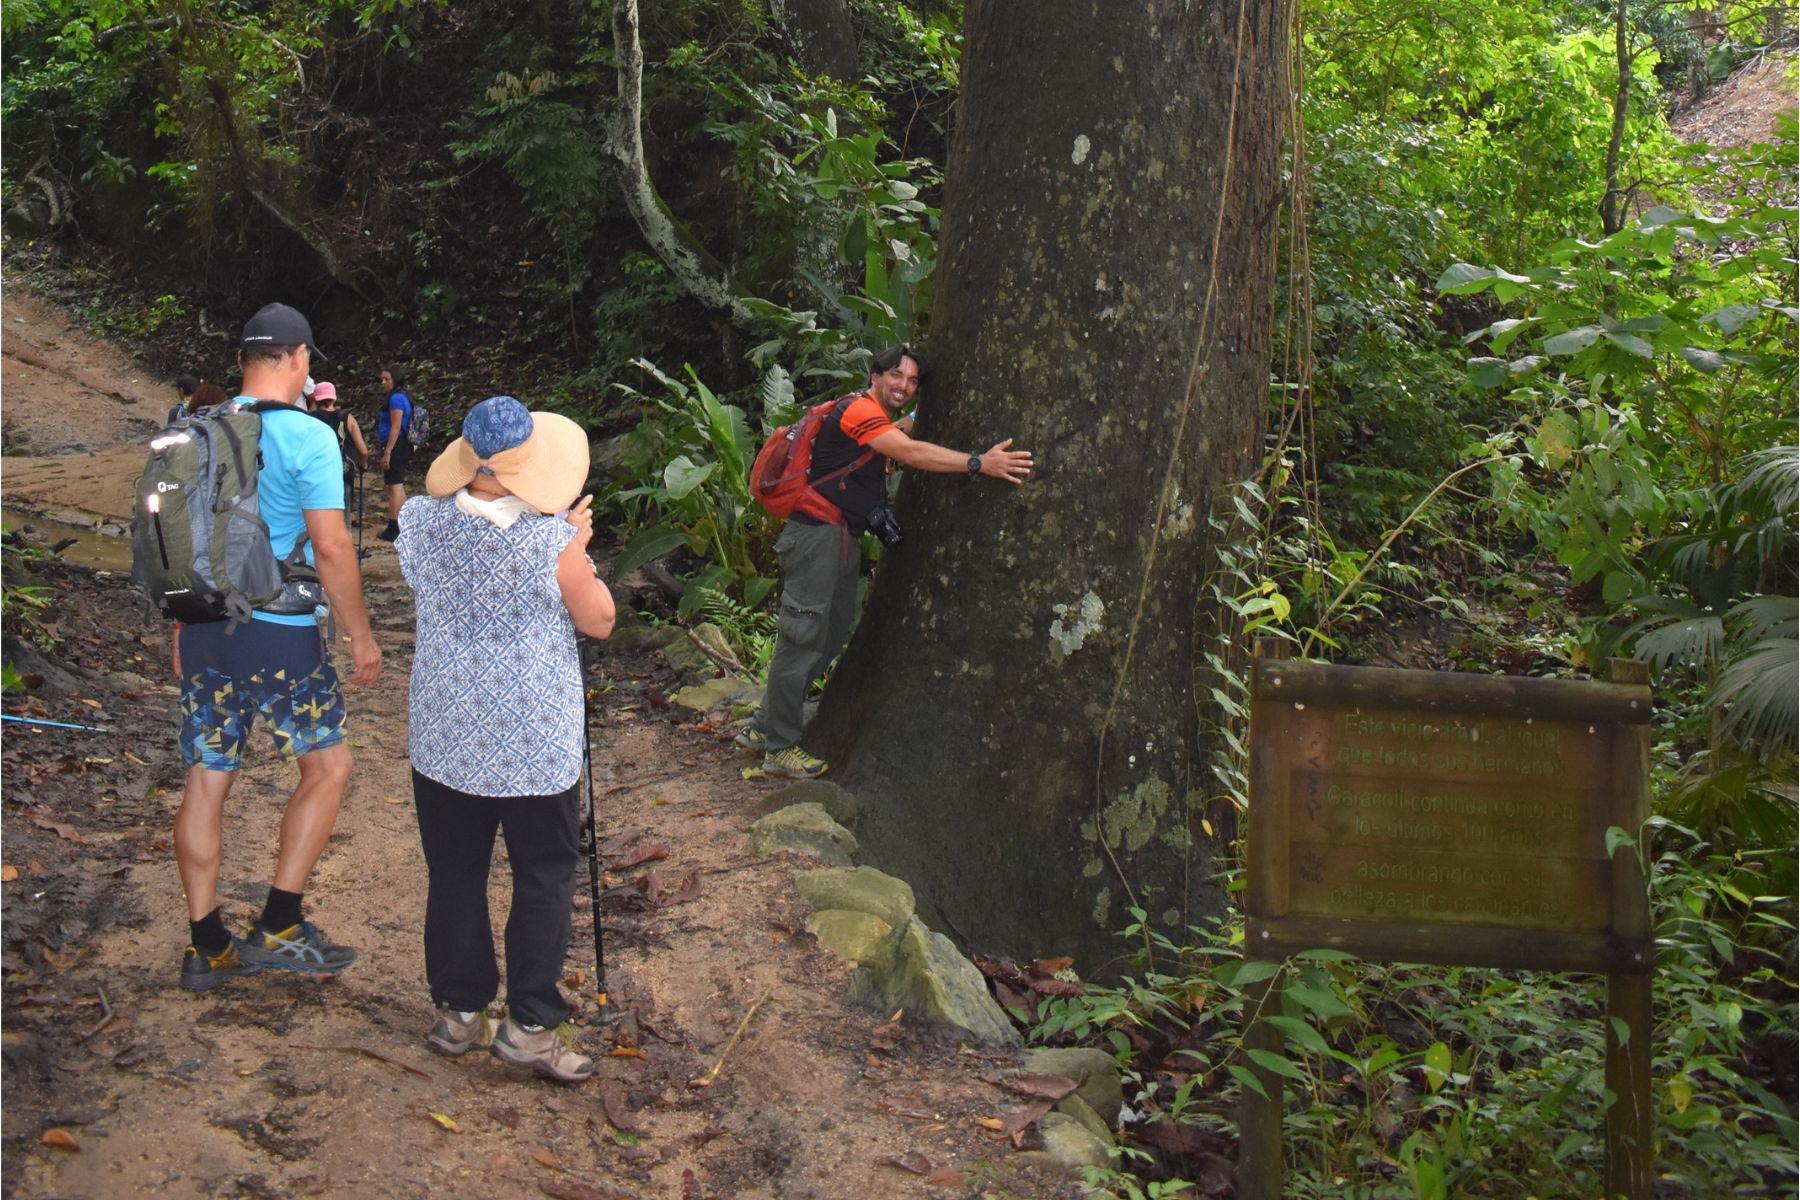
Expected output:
(540, 457)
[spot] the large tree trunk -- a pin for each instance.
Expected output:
(1102, 151)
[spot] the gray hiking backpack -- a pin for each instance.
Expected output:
(199, 544)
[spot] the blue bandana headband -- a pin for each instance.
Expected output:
(496, 424)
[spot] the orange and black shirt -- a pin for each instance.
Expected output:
(841, 440)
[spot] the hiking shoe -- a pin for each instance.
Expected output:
(752, 739)
(390, 533)
(793, 763)
(549, 1052)
(297, 948)
(457, 1033)
(202, 972)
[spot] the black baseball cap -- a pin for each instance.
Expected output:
(279, 325)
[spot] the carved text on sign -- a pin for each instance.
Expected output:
(1472, 820)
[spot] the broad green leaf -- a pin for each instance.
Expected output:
(1573, 341)
(1248, 1078)
(1462, 279)
(1301, 1032)
(1438, 1063)
(1732, 317)
(1243, 974)
(1558, 435)
(1487, 372)
(1708, 362)
(650, 543)
(1618, 838)
(757, 589)
(683, 475)
(1659, 216)
(1428, 1180)
(1630, 343)
(1316, 1000)
(1268, 1060)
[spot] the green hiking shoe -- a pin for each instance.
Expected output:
(752, 739)
(793, 763)
(202, 972)
(297, 948)
(457, 1033)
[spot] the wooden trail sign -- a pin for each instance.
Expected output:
(1461, 820)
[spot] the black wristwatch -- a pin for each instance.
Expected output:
(974, 464)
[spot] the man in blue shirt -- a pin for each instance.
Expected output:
(277, 666)
(396, 448)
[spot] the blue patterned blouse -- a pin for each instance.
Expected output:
(496, 678)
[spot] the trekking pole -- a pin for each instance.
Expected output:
(593, 833)
(362, 489)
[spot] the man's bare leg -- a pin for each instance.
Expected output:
(311, 813)
(198, 833)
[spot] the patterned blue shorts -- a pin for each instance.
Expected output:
(280, 671)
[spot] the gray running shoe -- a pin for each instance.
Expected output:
(549, 1052)
(298, 948)
(202, 972)
(457, 1033)
(752, 739)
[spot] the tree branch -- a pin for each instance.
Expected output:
(312, 238)
(693, 266)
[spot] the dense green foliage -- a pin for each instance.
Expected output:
(1533, 393)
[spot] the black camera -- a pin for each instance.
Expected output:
(883, 525)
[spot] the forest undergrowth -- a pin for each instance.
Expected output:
(1533, 405)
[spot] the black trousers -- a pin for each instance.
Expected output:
(543, 846)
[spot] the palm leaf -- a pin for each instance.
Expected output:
(1760, 695)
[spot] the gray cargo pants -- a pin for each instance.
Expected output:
(819, 568)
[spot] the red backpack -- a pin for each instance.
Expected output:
(778, 480)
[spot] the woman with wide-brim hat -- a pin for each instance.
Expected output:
(496, 553)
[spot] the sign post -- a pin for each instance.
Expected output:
(1437, 817)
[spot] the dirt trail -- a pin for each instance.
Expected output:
(280, 1086)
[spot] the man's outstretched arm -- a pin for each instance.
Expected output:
(998, 463)
(334, 556)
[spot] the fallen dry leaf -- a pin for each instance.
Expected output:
(555, 1104)
(908, 1160)
(394, 800)
(446, 1122)
(989, 1122)
(909, 1106)
(61, 1138)
(546, 1158)
(947, 1177)
(635, 858)
(626, 1052)
(134, 758)
(618, 841)
(498, 1164)
(574, 1189)
(8, 873)
(575, 980)
(508, 1117)
(1049, 1087)
(90, 703)
(1014, 1124)
(65, 832)
(660, 892)
(612, 1100)
(1051, 966)
(35, 867)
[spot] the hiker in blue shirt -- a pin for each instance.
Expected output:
(275, 666)
(396, 447)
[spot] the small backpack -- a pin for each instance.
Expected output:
(779, 481)
(418, 426)
(199, 544)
